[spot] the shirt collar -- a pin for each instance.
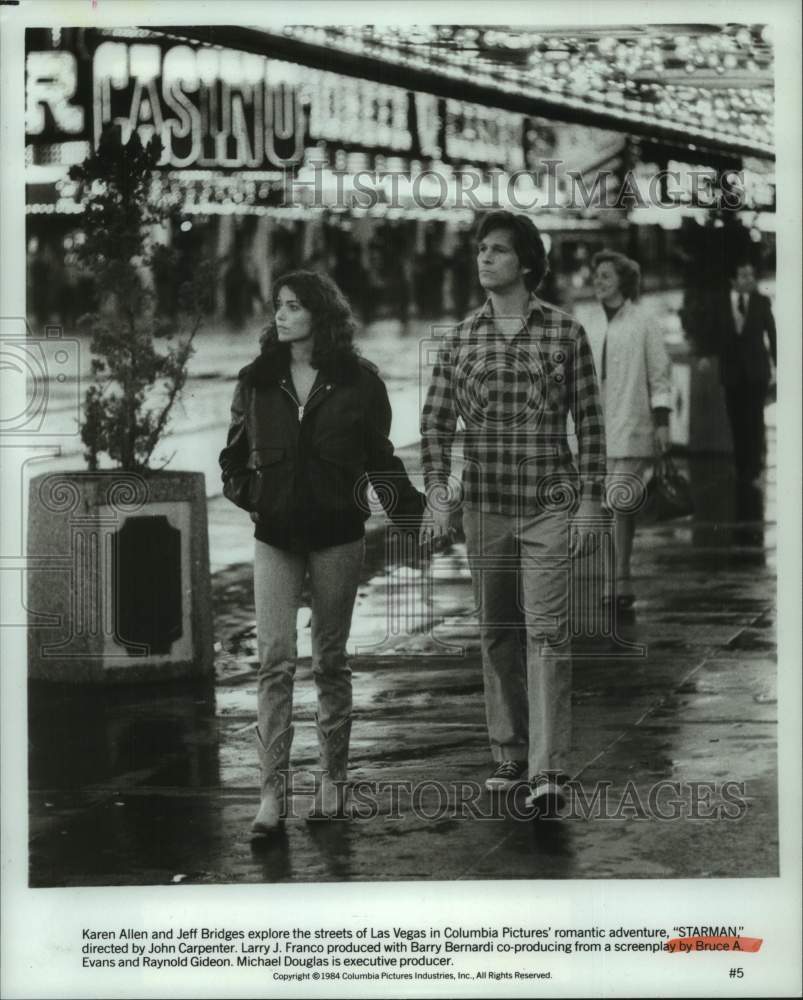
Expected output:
(534, 305)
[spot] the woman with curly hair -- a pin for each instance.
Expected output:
(309, 432)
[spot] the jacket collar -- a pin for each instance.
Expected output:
(274, 364)
(626, 307)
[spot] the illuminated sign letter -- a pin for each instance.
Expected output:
(146, 111)
(284, 115)
(109, 70)
(52, 80)
(180, 75)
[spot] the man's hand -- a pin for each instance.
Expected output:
(583, 532)
(703, 365)
(662, 442)
(436, 524)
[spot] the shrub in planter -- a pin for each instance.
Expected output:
(124, 593)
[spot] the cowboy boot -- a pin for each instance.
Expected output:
(274, 761)
(330, 791)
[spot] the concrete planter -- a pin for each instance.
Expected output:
(118, 580)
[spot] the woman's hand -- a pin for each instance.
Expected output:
(662, 442)
(435, 525)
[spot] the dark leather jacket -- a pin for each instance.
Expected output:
(303, 472)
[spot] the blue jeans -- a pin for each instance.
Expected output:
(520, 567)
(334, 574)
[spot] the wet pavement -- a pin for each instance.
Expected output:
(674, 743)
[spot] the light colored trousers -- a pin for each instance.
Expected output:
(334, 574)
(521, 568)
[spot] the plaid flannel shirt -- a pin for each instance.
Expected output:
(514, 397)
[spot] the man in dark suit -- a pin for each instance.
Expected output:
(744, 339)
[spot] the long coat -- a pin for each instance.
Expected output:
(638, 378)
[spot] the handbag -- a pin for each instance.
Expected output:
(668, 492)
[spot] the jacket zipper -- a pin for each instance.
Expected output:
(295, 401)
(302, 408)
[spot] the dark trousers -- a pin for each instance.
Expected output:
(745, 404)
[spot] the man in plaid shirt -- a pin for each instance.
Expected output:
(514, 372)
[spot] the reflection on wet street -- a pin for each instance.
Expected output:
(674, 743)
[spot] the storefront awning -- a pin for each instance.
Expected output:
(719, 101)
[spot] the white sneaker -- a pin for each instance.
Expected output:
(546, 796)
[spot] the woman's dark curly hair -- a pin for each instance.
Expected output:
(333, 324)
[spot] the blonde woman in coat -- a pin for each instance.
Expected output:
(635, 377)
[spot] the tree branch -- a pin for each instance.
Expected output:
(183, 355)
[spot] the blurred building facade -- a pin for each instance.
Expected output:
(368, 154)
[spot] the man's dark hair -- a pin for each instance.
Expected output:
(527, 242)
(626, 268)
(741, 262)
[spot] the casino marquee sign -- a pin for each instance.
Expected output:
(224, 109)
